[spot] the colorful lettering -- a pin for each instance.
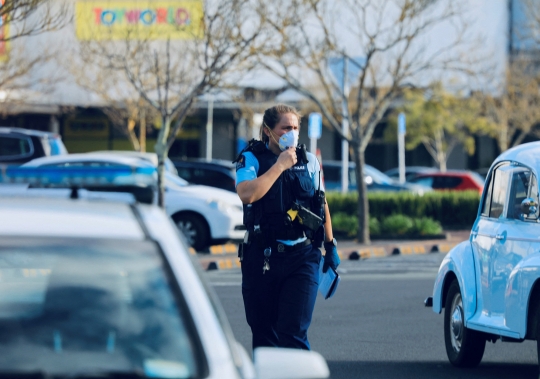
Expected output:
(161, 14)
(97, 12)
(108, 17)
(120, 13)
(170, 15)
(147, 17)
(182, 17)
(132, 16)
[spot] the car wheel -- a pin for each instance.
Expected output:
(464, 347)
(194, 229)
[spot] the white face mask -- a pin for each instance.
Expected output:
(289, 139)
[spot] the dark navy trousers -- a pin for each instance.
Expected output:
(279, 304)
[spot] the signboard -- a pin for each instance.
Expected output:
(401, 123)
(136, 19)
(353, 69)
(315, 125)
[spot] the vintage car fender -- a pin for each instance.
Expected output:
(518, 291)
(460, 262)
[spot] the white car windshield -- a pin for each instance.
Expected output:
(83, 307)
(378, 177)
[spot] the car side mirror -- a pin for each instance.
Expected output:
(529, 206)
(275, 363)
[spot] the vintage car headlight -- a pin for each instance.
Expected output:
(224, 206)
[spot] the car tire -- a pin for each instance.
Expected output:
(194, 229)
(464, 347)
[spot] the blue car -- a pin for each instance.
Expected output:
(489, 285)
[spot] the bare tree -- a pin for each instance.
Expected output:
(31, 17)
(516, 110)
(385, 45)
(124, 107)
(170, 74)
(440, 121)
(18, 20)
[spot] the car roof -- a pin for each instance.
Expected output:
(204, 162)
(149, 156)
(62, 217)
(446, 173)
(27, 132)
(411, 169)
(94, 157)
(527, 154)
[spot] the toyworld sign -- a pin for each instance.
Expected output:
(103, 20)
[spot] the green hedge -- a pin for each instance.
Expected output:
(393, 226)
(452, 209)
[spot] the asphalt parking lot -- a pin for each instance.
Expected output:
(223, 257)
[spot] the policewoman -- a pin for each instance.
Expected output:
(287, 220)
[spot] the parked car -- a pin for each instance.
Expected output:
(216, 172)
(103, 289)
(375, 179)
(489, 285)
(456, 180)
(19, 145)
(147, 156)
(410, 172)
(206, 215)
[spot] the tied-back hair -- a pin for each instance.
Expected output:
(273, 115)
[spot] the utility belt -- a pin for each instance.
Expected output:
(268, 236)
(263, 240)
(282, 248)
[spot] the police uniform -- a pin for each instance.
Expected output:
(279, 302)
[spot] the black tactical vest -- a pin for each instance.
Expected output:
(269, 214)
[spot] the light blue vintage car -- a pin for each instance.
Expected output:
(489, 286)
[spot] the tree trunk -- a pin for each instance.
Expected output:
(442, 164)
(363, 205)
(142, 131)
(503, 139)
(161, 151)
(132, 137)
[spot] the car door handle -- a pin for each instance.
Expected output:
(499, 237)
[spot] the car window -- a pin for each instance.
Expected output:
(14, 146)
(215, 178)
(57, 146)
(446, 182)
(499, 190)
(376, 175)
(352, 177)
(185, 173)
(174, 180)
(424, 181)
(332, 174)
(523, 185)
(488, 190)
(83, 307)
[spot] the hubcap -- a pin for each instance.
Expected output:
(189, 231)
(456, 323)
